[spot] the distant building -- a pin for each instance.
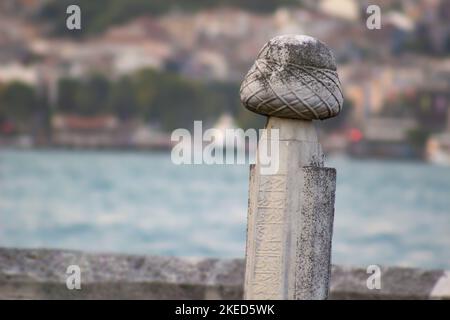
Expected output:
(86, 132)
(18, 72)
(206, 64)
(386, 138)
(388, 129)
(140, 43)
(438, 146)
(106, 131)
(344, 9)
(438, 149)
(145, 137)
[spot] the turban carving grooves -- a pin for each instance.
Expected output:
(293, 77)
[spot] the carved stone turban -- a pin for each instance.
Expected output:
(293, 77)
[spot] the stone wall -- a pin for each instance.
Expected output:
(41, 274)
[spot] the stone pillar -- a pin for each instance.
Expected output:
(290, 217)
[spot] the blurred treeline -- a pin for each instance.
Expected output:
(23, 106)
(161, 98)
(98, 15)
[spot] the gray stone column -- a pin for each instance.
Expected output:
(290, 217)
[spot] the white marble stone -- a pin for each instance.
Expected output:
(290, 215)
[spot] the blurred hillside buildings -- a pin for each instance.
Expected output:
(409, 52)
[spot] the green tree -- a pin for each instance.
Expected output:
(144, 83)
(68, 89)
(18, 102)
(85, 97)
(176, 103)
(94, 97)
(123, 99)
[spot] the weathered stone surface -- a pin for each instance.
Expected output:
(290, 218)
(313, 264)
(40, 274)
(290, 215)
(299, 49)
(396, 283)
(295, 77)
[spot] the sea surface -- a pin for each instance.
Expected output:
(387, 212)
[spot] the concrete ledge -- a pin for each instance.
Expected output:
(41, 274)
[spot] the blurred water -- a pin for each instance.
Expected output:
(395, 213)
